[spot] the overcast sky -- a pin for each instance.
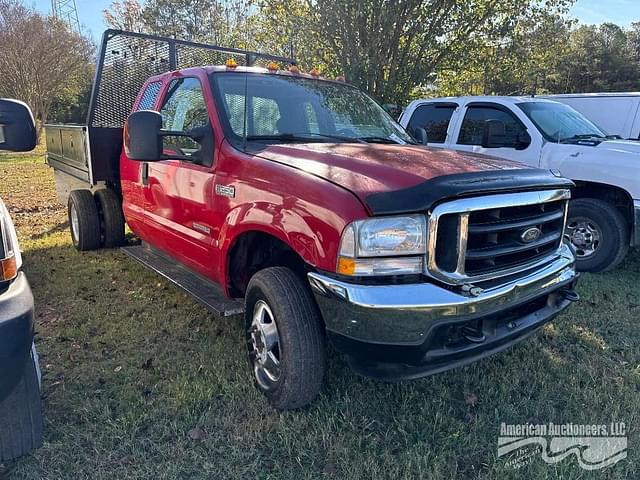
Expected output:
(622, 12)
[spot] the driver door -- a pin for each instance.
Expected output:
(178, 191)
(476, 116)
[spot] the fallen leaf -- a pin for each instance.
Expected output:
(197, 434)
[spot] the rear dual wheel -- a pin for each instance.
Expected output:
(95, 220)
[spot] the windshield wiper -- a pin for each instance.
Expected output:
(304, 137)
(374, 139)
(585, 136)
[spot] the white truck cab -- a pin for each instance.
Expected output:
(604, 216)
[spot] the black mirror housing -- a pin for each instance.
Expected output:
(142, 137)
(420, 134)
(524, 140)
(17, 128)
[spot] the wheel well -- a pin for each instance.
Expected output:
(254, 251)
(613, 195)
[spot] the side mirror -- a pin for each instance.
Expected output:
(142, 136)
(420, 134)
(523, 141)
(17, 128)
(494, 133)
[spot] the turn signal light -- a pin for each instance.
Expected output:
(8, 269)
(346, 266)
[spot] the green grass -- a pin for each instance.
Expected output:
(131, 366)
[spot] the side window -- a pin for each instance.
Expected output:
(434, 118)
(149, 96)
(475, 120)
(183, 110)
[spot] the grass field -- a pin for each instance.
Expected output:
(140, 382)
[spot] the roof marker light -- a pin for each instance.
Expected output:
(293, 68)
(231, 64)
(314, 72)
(272, 67)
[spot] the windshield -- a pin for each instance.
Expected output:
(559, 122)
(296, 109)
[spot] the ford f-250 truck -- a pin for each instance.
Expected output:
(604, 213)
(20, 403)
(299, 201)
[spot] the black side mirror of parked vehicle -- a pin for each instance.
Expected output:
(523, 141)
(17, 128)
(420, 134)
(143, 136)
(494, 134)
(144, 140)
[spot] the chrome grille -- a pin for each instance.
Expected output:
(482, 238)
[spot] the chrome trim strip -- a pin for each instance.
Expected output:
(464, 207)
(404, 314)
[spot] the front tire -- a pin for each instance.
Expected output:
(84, 220)
(21, 416)
(598, 233)
(285, 338)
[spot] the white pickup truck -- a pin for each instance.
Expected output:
(604, 214)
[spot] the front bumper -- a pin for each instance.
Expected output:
(403, 331)
(635, 235)
(16, 332)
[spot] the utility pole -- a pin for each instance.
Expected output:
(67, 12)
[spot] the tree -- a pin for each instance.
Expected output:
(125, 15)
(41, 59)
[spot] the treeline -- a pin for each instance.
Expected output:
(394, 50)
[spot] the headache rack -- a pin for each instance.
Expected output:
(91, 152)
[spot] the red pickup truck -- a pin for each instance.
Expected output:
(298, 201)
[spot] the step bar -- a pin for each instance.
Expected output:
(208, 293)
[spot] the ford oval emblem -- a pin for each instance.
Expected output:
(530, 235)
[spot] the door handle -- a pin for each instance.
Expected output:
(145, 173)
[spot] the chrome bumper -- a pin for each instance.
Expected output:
(404, 314)
(635, 234)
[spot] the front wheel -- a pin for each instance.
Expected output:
(285, 338)
(598, 233)
(21, 415)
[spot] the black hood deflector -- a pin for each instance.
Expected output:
(424, 196)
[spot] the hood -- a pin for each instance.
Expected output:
(400, 178)
(373, 168)
(628, 146)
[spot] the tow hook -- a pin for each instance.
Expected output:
(473, 334)
(569, 294)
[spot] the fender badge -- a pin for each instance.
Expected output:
(226, 191)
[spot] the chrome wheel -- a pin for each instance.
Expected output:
(264, 345)
(75, 223)
(584, 235)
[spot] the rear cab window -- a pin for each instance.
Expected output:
(434, 118)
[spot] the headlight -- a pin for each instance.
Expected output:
(10, 258)
(383, 246)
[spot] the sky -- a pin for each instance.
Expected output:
(622, 12)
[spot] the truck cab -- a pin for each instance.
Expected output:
(604, 217)
(297, 201)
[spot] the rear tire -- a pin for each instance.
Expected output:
(290, 374)
(84, 220)
(598, 233)
(21, 416)
(111, 218)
